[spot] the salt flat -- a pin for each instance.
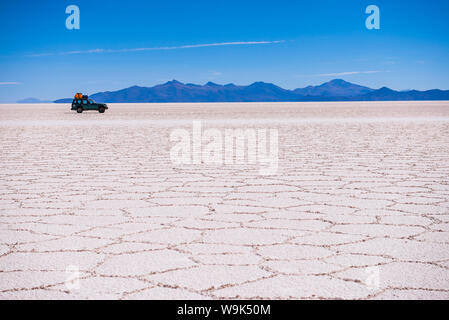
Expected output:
(92, 206)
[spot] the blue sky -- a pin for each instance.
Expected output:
(289, 43)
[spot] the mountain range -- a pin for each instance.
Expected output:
(335, 90)
(33, 100)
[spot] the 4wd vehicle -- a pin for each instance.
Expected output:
(82, 102)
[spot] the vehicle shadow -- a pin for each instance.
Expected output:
(83, 113)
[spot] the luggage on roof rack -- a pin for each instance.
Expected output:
(81, 96)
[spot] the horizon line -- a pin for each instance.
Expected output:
(238, 85)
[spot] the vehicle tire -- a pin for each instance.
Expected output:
(79, 110)
(101, 109)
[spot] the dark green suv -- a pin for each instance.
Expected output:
(88, 104)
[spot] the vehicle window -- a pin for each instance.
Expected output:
(84, 101)
(91, 101)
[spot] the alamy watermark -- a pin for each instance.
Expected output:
(72, 280)
(373, 20)
(73, 20)
(226, 147)
(372, 280)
